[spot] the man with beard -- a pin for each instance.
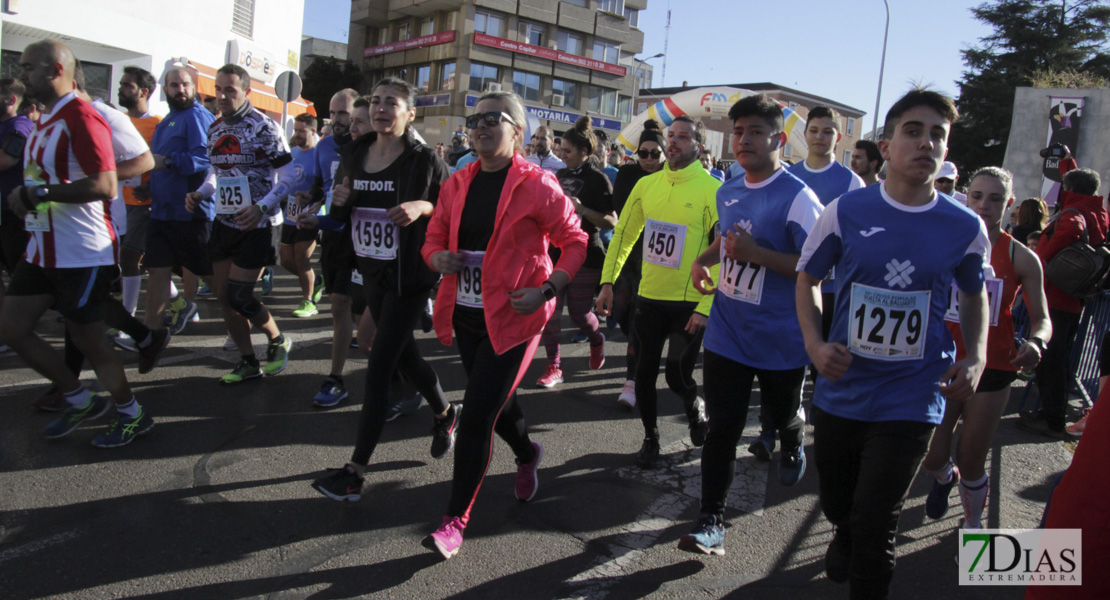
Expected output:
(135, 89)
(867, 162)
(543, 157)
(175, 236)
(298, 243)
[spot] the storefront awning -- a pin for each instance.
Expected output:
(262, 96)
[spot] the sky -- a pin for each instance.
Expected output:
(830, 48)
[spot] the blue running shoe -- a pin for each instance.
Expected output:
(267, 281)
(180, 318)
(936, 504)
(74, 416)
(708, 537)
(331, 393)
(793, 466)
(124, 429)
(764, 445)
(204, 291)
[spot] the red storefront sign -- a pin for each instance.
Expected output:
(425, 40)
(571, 59)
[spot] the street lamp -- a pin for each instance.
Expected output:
(882, 67)
(636, 80)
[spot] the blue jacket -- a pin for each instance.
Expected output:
(182, 137)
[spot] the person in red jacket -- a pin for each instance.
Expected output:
(1078, 191)
(489, 237)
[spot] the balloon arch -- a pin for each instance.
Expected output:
(703, 102)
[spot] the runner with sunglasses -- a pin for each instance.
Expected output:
(390, 182)
(651, 157)
(489, 236)
(676, 209)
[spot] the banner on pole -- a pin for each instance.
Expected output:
(1064, 118)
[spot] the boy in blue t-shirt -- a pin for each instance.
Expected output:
(887, 365)
(765, 217)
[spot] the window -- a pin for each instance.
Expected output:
(603, 101)
(489, 23)
(569, 91)
(613, 6)
(624, 107)
(481, 74)
(401, 73)
(242, 18)
(633, 16)
(526, 85)
(851, 126)
(424, 77)
(847, 158)
(531, 33)
(606, 51)
(427, 27)
(447, 76)
(404, 31)
(568, 42)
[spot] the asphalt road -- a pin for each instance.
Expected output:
(215, 501)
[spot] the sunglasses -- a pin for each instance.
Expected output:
(492, 119)
(649, 153)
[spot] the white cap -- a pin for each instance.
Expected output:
(948, 171)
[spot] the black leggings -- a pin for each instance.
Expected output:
(624, 305)
(656, 324)
(489, 405)
(394, 349)
(728, 391)
(115, 315)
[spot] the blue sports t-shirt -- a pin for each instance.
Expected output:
(894, 268)
(754, 321)
(830, 182)
(304, 169)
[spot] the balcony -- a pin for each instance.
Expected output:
(378, 13)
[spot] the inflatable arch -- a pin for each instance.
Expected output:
(703, 102)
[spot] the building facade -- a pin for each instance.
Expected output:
(851, 125)
(565, 58)
(262, 36)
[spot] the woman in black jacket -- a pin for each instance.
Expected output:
(389, 185)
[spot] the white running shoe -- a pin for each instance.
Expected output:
(627, 398)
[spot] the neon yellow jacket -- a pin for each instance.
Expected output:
(677, 201)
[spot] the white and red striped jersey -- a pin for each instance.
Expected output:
(67, 145)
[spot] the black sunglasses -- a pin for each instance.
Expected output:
(492, 119)
(649, 153)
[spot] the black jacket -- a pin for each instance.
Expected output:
(420, 173)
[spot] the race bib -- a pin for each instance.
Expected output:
(741, 280)
(38, 220)
(663, 243)
(374, 235)
(232, 194)
(886, 324)
(292, 209)
(468, 291)
(994, 300)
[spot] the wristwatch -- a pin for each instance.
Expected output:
(41, 192)
(548, 290)
(265, 211)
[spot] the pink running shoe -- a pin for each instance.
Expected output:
(527, 481)
(552, 377)
(447, 539)
(597, 354)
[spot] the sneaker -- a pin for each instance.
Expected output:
(340, 484)
(51, 401)
(204, 291)
(404, 408)
(1078, 427)
(708, 537)
(148, 357)
(331, 393)
(229, 343)
(317, 289)
(627, 398)
(277, 355)
(579, 337)
(1033, 422)
(648, 455)
(597, 354)
(267, 281)
(124, 429)
(764, 445)
(305, 310)
(74, 416)
(552, 377)
(699, 423)
(4, 348)
(426, 321)
(936, 504)
(443, 432)
(180, 318)
(527, 480)
(447, 539)
(354, 343)
(124, 342)
(838, 557)
(242, 372)
(792, 466)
